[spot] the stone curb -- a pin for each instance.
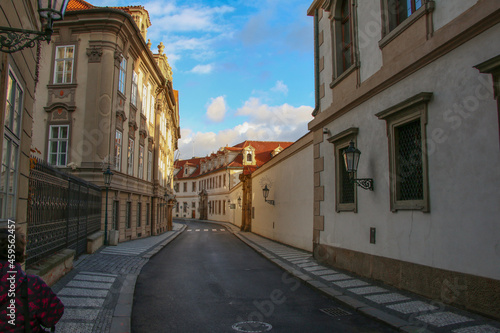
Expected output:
(122, 315)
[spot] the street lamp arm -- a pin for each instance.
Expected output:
(13, 39)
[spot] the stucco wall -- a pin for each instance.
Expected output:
(460, 233)
(289, 176)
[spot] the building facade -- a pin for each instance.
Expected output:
(414, 85)
(210, 188)
(105, 100)
(18, 81)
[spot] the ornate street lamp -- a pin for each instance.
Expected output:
(265, 192)
(108, 175)
(351, 159)
(14, 39)
(239, 202)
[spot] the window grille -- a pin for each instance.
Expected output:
(410, 180)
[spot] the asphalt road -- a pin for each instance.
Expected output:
(210, 281)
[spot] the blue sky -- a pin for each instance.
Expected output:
(244, 69)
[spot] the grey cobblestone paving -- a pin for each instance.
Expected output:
(91, 291)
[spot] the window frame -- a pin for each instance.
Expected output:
(150, 165)
(139, 214)
(64, 72)
(118, 150)
(58, 140)
(130, 157)
(341, 141)
(389, 34)
(115, 215)
(141, 162)
(122, 76)
(414, 108)
(128, 215)
(134, 90)
(11, 139)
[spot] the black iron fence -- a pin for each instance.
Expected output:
(62, 211)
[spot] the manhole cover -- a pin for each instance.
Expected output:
(335, 312)
(252, 326)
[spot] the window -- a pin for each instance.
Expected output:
(147, 213)
(344, 55)
(150, 164)
(345, 190)
(249, 157)
(407, 153)
(185, 186)
(400, 10)
(133, 92)
(130, 157)
(58, 145)
(139, 208)
(194, 187)
(63, 67)
(114, 216)
(10, 147)
(346, 35)
(122, 76)
(128, 214)
(151, 104)
(224, 181)
(144, 105)
(141, 162)
(118, 150)
(184, 207)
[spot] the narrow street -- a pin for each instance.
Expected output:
(207, 280)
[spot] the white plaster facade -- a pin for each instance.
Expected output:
(441, 49)
(289, 177)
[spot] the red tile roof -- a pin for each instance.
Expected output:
(263, 153)
(78, 5)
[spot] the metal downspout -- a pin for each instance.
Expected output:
(316, 64)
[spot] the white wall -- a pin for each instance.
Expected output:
(461, 232)
(289, 176)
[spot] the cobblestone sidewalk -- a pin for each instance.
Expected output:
(98, 293)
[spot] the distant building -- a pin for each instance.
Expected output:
(415, 86)
(104, 99)
(207, 188)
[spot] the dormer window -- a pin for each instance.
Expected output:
(249, 157)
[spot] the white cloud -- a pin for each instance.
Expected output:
(280, 87)
(181, 18)
(263, 123)
(216, 110)
(203, 69)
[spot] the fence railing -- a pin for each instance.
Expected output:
(62, 211)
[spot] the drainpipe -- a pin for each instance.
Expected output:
(316, 64)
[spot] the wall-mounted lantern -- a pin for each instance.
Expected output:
(351, 158)
(239, 202)
(14, 39)
(265, 192)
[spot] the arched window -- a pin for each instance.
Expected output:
(249, 157)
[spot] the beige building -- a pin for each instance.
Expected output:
(210, 188)
(18, 80)
(105, 99)
(414, 85)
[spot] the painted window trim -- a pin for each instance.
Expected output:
(340, 141)
(414, 108)
(67, 140)
(54, 77)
